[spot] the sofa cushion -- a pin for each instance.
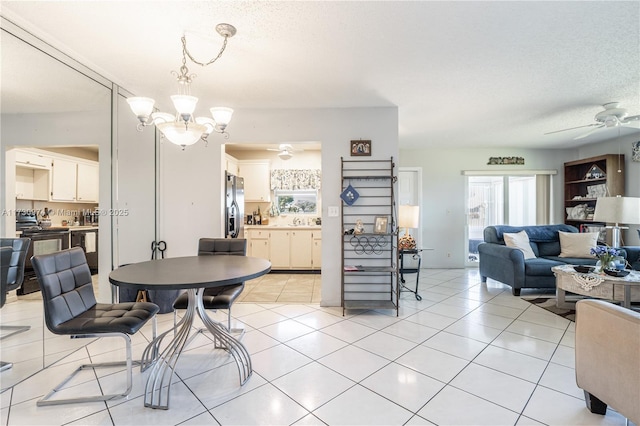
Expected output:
(573, 260)
(577, 245)
(550, 248)
(519, 240)
(540, 266)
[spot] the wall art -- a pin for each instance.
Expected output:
(506, 160)
(635, 151)
(360, 148)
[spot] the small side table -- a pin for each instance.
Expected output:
(416, 254)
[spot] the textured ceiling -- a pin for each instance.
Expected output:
(468, 74)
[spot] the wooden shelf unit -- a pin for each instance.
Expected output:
(369, 259)
(578, 184)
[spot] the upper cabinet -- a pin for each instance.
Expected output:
(32, 176)
(87, 188)
(74, 181)
(231, 164)
(257, 177)
(55, 177)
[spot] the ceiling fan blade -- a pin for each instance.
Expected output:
(573, 128)
(632, 118)
(600, 126)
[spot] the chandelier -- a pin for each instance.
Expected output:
(182, 128)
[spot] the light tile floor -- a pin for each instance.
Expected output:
(467, 354)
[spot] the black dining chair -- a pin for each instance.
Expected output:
(218, 297)
(14, 276)
(70, 308)
(14, 255)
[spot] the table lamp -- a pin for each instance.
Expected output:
(617, 210)
(408, 217)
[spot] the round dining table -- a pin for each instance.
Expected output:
(193, 274)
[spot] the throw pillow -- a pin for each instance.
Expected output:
(520, 241)
(574, 244)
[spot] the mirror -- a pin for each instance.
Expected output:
(47, 102)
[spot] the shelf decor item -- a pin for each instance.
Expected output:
(349, 195)
(381, 225)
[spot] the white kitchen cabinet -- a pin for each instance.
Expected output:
(257, 178)
(231, 165)
(258, 243)
(74, 181)
(32, 160)
(301, 244)
(64, 175)
(279, 250)
(316, 251)
(32, 184)
(87, 188)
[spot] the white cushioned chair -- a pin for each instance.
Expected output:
(608, 357)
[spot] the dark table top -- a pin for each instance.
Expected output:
(189, 272)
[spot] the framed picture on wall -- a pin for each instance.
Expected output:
(360, 148)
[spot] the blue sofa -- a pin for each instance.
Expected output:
(507, 265)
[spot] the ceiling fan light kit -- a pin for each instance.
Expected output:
(183, 128)
(612, 116)
(285, 151)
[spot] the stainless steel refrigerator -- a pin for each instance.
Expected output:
(234, 212)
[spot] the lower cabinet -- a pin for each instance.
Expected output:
(301, 243)
(258, 243)
(299, 249)
(316, 251)
(279, 249)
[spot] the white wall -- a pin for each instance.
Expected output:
(443, 193)
(192, 180)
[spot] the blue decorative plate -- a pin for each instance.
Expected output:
(349, 195)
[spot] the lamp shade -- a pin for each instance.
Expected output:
(141, 107)
(222, 116)
(184, 104)
(180, 134)
(623, 210)
(408, 216)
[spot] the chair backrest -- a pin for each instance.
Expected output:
(5, 262)
(222, 246)
(15, 267)
(66, 286)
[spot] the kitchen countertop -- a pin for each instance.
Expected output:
(283, 226)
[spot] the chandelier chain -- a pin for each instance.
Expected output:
(186, 52)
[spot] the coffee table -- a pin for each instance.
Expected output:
(600, 286)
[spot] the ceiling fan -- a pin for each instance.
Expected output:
(612, 116)
(286, 151)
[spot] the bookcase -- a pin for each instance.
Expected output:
(585, 181)
(370, 235)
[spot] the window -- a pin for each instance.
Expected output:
(297, 201)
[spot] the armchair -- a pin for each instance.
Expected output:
(607, 348)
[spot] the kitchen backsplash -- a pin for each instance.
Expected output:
(57, 211)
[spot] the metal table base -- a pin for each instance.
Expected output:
(162, 362)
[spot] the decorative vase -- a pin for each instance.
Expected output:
(608, 264)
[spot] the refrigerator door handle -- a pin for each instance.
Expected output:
(233, 216)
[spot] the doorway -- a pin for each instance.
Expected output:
(497, 200)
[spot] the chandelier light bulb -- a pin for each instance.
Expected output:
(141, 107)
(180, 134)
(222, 116)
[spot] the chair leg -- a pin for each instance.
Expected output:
(16, 329)
(45, 400)
(239, 331)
